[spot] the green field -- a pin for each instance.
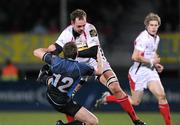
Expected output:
(105, 118)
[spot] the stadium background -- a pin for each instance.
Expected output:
(29, 24)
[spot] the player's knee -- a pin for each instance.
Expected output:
(115, 88)
(111, 80)
(96, 122)
(93, 121)
(161, 97)
(136, 102)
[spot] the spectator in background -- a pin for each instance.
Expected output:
(39, 27)
(9, 71)
(53, 27)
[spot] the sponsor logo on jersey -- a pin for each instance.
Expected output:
(93, 33)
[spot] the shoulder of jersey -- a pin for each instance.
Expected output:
(91, 29)
(90, 26)
(143, 35)
(67, 30)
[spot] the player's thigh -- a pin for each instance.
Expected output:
(86, 116)
(136, 97)
(156, 88)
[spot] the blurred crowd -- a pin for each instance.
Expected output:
(28, 15)
(109, 17)
(9, 71)
(43, 16)
(23, 15)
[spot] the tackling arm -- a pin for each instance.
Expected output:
(89, 53)
(78, 87)
(55, 49)
(99, 69)
(40, 52)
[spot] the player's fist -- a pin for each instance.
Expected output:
(159, 67)
(156, 60)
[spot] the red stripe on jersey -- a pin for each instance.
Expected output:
(85, 35)
(131, 82)
(142, 54)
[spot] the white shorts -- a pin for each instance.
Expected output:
(92, 62)
(140, 79)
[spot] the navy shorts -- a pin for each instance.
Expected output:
(61, 101)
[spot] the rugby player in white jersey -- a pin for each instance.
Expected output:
(87, 41)
(144, 72)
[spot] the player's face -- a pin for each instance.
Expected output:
(153, 26)
(79, 25)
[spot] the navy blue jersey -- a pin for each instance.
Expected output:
(67, 73)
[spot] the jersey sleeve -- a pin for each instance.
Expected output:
(92, 36)
(86, 70)
(52, 60)
(47, 58)
(140, 43)
(64, 37)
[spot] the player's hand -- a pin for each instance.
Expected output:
(159, 67)
(73, 94)
(98, 55)
(45, 70)
(156, 60)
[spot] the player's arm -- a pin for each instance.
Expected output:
(45, 73)
(89, 53)
(99, 69)
(55, 49)
(158, 66)
(138, 57)
(92, 42)
(78, 87)
(87, 70)
(43, 54)
(40, 52)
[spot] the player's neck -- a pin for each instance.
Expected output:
(153, 35)
(75, 34)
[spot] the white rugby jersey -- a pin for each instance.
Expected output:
(86, 40)
(147, 44)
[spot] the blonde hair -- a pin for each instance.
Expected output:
(152, 17)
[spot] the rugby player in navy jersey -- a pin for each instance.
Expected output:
(66, 74)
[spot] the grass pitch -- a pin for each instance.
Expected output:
(105, 118)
